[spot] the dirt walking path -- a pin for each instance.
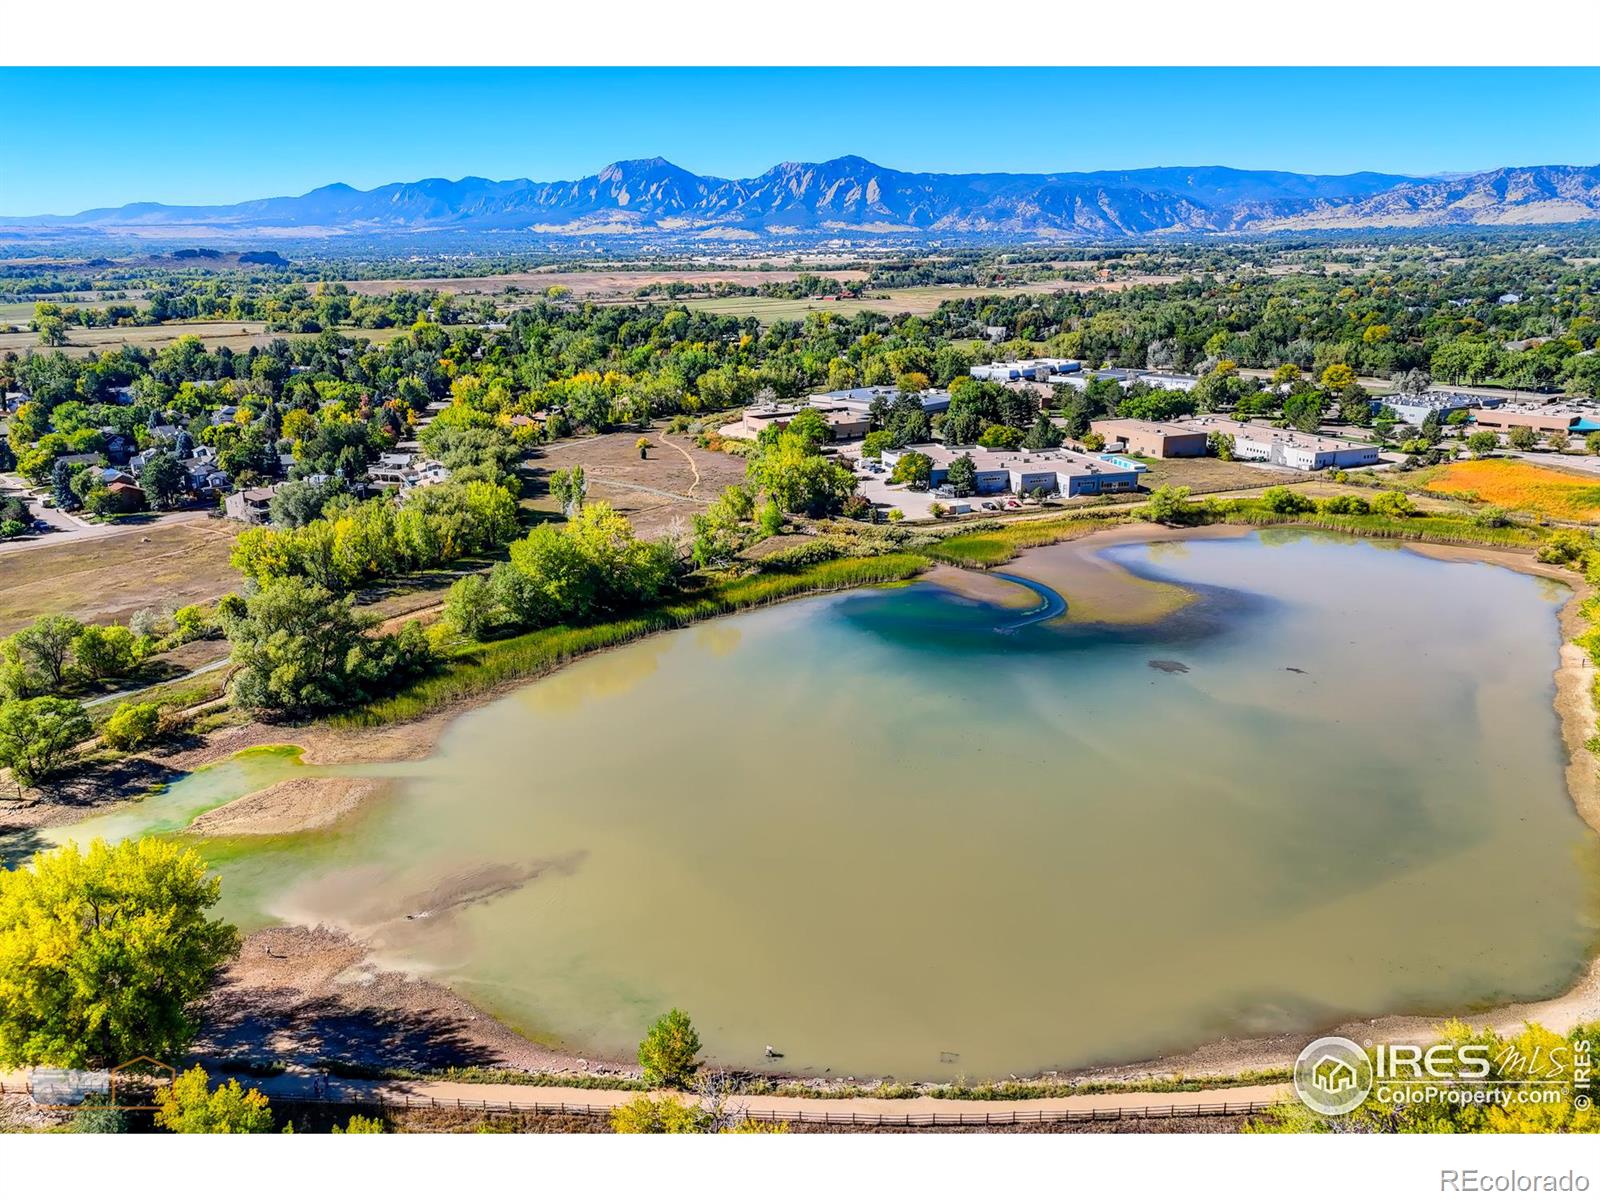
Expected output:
(688, 458)
(864, 1110)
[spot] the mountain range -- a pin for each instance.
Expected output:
(853, 198)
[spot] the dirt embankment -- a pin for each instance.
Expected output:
(303, 996)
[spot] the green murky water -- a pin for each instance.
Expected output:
(890, 832)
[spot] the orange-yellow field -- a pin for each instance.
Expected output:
(1517, 484)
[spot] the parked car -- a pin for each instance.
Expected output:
(1013, 504)
(990, 506)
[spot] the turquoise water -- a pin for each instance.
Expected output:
(903, 832)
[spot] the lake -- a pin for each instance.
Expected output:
(898, 831)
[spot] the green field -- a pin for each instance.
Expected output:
(237, 335)
(918, 300)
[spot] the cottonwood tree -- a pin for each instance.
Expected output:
(670, 1052)
(104, 952)
(37, 736)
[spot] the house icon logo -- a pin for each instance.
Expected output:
(128, 1086)
(132, 1081)
(1332, 1076)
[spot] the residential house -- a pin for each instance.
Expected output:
(127, 496)
(253, 506)
(118, 445)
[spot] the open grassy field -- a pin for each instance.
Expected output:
(171, 562)
(592, 285)
(668, 487)
(237, 335)
(917, 300)
(1202, 475)
(1521, 486)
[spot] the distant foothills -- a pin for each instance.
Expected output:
(853, 198)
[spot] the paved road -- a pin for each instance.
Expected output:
(67, 528)
(144, 687)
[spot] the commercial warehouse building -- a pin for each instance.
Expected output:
(1023, 471)
(1413, 407)
(844, 422)
(1287, 447)
(1541, 418)
(1154, 439)
(1037, 369)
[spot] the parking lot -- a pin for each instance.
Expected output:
(917, 506)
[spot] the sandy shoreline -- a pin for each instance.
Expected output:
(298, 988)
(291, 806)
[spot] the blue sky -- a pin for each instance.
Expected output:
(78, 138)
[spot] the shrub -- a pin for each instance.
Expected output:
(1393, 504)
(96, 1115)
(193, 622)
(664, 1115)
(1566, 547)
(470, 608)
(1482, 442)
(669, 1054)
(806, 554)
(359, 1124)
(1285, 502)
(186, 1106)
(1344, 505)
(132, 726)
(1168, 505)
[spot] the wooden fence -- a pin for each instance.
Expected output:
(924, 1120)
